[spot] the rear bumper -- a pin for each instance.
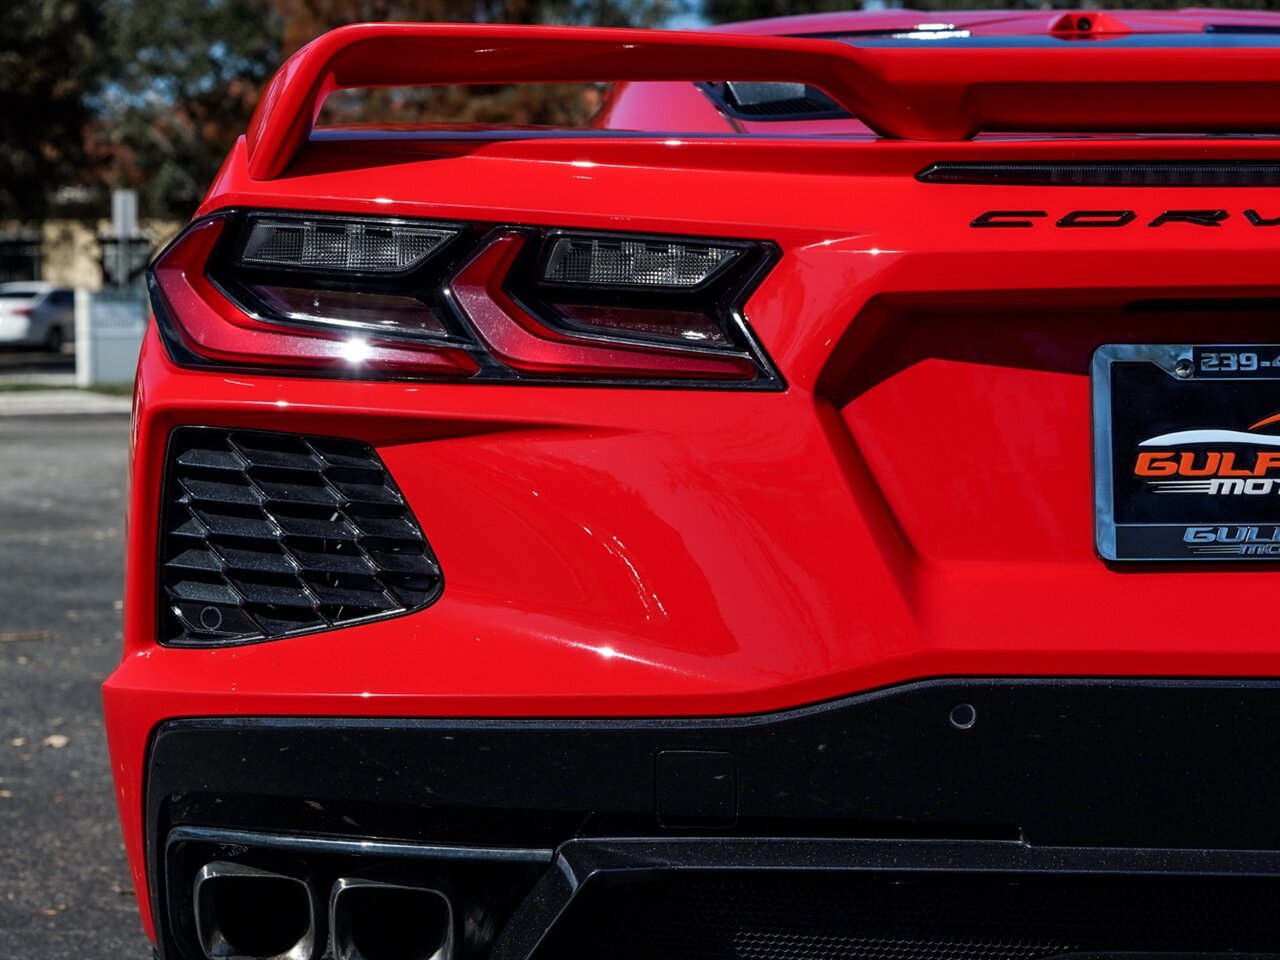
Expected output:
(16, 330)
(994, 776)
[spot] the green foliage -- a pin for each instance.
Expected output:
(49, 66)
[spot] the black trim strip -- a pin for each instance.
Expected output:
(1137, 173)
(347, 847)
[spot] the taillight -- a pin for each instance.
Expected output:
(208, 321)
(387, 298)
(523, 339)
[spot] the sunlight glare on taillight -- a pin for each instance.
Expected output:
(394, 314)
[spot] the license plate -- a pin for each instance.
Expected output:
(1187, 452)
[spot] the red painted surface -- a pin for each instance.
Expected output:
(993, 22)
(917, 503)
(930, 92)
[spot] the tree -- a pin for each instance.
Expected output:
(50, 65)
(306, 19)
(191, 72)
(729, 11)
(554, 104)
(189, 75)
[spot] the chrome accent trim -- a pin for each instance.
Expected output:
(1166, 358)
(213, 940)
(342, 943)
(420, 851)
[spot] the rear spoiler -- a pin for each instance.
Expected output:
(930, 93)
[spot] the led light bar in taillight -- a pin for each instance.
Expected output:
(374, 297)
(614, 261)
(343, 246)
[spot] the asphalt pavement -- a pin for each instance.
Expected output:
(65, 891)
(38, 367)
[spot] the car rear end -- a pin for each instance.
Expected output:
(707, 542)
(22, 314)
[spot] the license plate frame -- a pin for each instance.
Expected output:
(1186, 452)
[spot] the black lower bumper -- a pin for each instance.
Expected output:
(933, 770)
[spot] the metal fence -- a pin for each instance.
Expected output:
(20, 257)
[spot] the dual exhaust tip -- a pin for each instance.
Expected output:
(245, 913)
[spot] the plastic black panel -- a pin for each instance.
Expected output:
(796, 915)
(1177, 173)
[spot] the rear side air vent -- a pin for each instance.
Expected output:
(266, 535)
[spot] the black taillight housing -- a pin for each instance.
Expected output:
(376, 297)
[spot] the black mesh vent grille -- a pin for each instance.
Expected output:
(783, 109)
(914, 917)
(774, 101)
(270, 534)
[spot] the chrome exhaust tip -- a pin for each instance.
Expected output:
(243, 913)
(371, 920)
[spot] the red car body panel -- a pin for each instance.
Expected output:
(917, 503)
(994, 22)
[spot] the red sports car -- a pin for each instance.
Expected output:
(827, 508)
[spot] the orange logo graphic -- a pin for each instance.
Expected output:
(1211, 463)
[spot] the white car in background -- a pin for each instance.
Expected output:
(36, 315)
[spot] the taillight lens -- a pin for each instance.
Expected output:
(204, 326)
(680, 325)
(385, 312)
(522, 340)
(646, 264)
(341, 246)
(379, 298)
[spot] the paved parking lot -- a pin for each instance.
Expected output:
(64, 887)
(38, 366)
